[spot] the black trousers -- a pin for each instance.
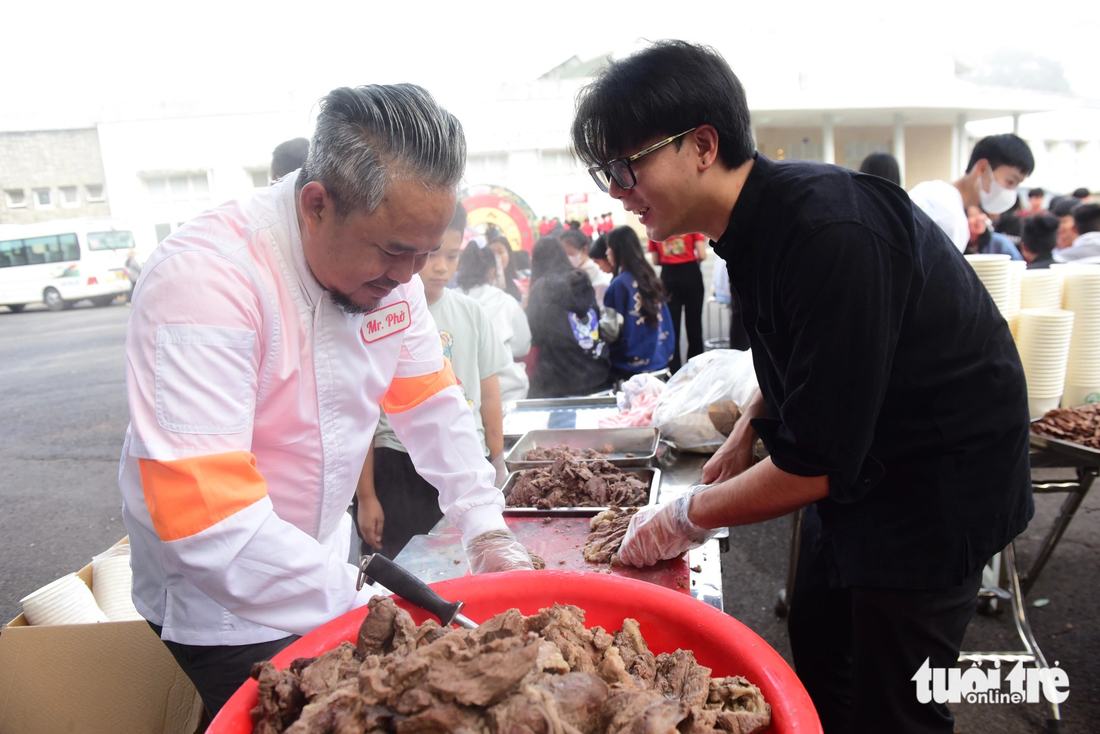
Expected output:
(410, 503)
(219, 670)
(857, 649)
(684, 284)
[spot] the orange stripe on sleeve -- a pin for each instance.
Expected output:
(408, 392)
(187, 496)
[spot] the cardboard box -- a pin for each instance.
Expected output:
(88, 678)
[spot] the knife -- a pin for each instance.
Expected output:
(398, 580)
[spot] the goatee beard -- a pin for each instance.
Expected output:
(348, 306)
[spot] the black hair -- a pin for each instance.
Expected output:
(548, 257)
(1008, 223)
(624, 244)
(576, 239)
(598, 250)
(1040, 234)
(522, 259)
(1086, 218)
(509, 275)
(1063, 206)
(288, 156)
(474, 265)
(1036, 192)
(1003, 150)
(1081, 193)
(458, 222)
(663, 90)
(882, 165)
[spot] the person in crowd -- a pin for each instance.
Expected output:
(133, 272)
(1008, 223)
(1035, 198)
(393, 501)
(882, 165)
(521, 260)
(998, 164)
(1082, 194)
(505, 277)
(1038, 239)
(544, 226)
(984, 240)
(576, 246)
(253, 400)
(679, 258)
(598, 254)
(476, 270)
(1086, 246)
(564, 318)
(892, 399)
(643, 342)
(588, 229)
(288, 157)
(606, 225)
(1063, 207)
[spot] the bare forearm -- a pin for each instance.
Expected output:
(760, 493)
(492, 416)
(365, 488)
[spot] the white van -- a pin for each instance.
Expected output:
(64, 261)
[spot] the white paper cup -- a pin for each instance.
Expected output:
(1076, 395)
(111, 583)
(68, 600)
(1039, 406)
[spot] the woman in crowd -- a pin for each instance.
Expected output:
(1038, 238)
(505, 278)
(476, 273)
(645, 339)
(882, 165)
(984, 240)
(564, 318)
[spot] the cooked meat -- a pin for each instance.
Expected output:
(537, 561)
(514, 674)
(608, 528)
(1078, 425)
(572, 483)
(553, 453)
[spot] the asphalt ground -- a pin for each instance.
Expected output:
(62, 382)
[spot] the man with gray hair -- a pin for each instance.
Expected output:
(265, 336)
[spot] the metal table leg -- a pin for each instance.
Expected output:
(1086, 476)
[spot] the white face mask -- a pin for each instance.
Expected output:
(575, 260)
(998, 199)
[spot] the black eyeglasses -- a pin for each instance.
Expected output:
(619, 170)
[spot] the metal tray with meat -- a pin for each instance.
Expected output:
(573, 488)
(633, 447)
(1066, 430)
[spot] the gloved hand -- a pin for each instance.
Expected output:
(502, 470)
(663, 532)
(496, 550)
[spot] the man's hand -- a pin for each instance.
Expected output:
(663, 532)
(497, 550)
(371, 520)
(736, 454)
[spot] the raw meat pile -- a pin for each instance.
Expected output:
(608, 528)
(553, 453)
(572, 483)
(540, 674)
(1079, 425)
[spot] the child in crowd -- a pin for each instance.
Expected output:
(506, 267)
(645, 341)
(393, 502)
(1038, 239)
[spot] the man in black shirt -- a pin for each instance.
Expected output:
(892, 400)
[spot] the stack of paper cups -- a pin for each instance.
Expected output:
(1016, 270)
(1041, 289)
(65, 601)
(111, 581)
(993, 271)
(1082, 296)
(1043, 344)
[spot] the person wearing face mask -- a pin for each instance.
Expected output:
(576, 244)
(998, 164)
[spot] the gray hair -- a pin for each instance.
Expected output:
(369, 135)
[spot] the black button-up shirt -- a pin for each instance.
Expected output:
(884, 365)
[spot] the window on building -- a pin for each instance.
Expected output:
(178, 187)
(558, 161)
(163, 230)
(15, 198)
(68, 196)
(94, 192)
(803, 150)
(486, 167)
(200, 186)
(43, 199)
(259, 179)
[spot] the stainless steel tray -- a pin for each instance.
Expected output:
(651, 477)
(1084, 454)
(641, 442)
(556, 413)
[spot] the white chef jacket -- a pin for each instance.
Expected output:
(253, 401)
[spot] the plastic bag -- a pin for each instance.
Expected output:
(682, 413)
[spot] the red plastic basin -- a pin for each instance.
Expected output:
(668, 621)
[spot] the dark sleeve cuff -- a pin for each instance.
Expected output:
(845, 486)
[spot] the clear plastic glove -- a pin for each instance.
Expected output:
(497, 550)
(502, 470)
(663, 532)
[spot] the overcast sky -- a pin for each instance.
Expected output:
(63, 58)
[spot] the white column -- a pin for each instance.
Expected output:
(899, 145)
(828, 142)
(962, 155)
(1016, 123)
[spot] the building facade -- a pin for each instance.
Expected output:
(51, 174)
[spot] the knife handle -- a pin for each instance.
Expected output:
(409, 587)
